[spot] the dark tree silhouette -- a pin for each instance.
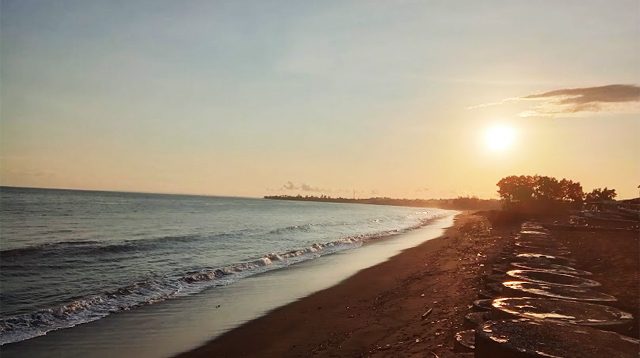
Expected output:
(547, 189)
(599, 194)
(516, 189)
(572, 191)
(539, 193)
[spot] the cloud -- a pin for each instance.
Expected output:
(289, 185)
(30, 173)
(304, 187)
(307, 187)
(610, 93)
(572, 101)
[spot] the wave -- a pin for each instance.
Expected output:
(293, 228)
(90, 308)
(86, 309)
(88, 247)
(92, 248)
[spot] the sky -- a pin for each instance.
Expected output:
(252, 98)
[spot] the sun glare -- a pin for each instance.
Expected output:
(499, 137)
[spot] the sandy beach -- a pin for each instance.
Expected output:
(378, 311)
(413, 304)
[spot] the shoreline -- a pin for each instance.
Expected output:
(378, 310)
(194, 319)
(414, 303)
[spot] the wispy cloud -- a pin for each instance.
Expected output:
(307, 187)
(289, 185)
(571, 101)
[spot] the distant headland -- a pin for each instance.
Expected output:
(459, 203)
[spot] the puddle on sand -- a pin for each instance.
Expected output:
(550, 339)
(548, 276)
(519, 288)
(578, 313)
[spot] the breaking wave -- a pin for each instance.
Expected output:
(23, 326)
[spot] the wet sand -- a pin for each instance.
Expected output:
(378, 311)
(614, 259)
(413, 304)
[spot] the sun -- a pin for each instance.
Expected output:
(499, 137)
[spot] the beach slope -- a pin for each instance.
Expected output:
(408, 305)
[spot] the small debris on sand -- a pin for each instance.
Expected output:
(424, 315)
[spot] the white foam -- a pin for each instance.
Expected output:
(25, 326)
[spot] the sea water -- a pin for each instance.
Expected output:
(72, 257)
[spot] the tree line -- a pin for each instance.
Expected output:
(535, 193)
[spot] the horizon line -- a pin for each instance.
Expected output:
(210, 195)
(126, 191)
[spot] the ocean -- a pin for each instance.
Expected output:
(71, 257)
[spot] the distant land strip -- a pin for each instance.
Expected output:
(460, 203)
